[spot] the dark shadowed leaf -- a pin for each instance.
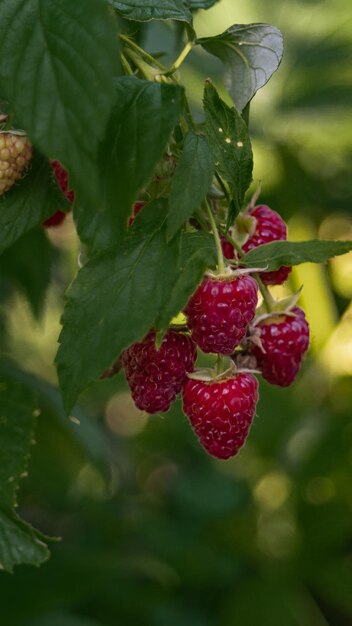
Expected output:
(27, 265)
(143, 11)
(200, 4)
(61, 57)
(115, 300)
(273, 255)
(191, 182)
(229, 140)
(19, 542)
(85, 431)
(251, 54)
(31, 201)
(137, 133)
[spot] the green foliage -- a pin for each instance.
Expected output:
(139, 10)
(201, 4)
(19, 542)
(127, 157)
(251, 53)
(61, 58)
(156, 533)
(273, 255)
(230, 143)
(27, 265)
(27, 205)
(191, 182)
(196, 255)
(115, 300)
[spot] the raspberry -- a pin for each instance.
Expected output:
(269, 227)
(285, 340)
(221, 412)
(220, 310)
(55, 220)
(155, 377)
(62, 180)
(15, 155)
(136, 208)
(227, 248)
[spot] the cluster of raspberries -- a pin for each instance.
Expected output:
(221, 320)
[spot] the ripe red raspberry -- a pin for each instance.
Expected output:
(269, 227)
(285, 340)
(136, 208)
(62, 180)
(15, 155)
(221, 412)
(227, 248)
(155, 377)
(220, 310)
(55, 220)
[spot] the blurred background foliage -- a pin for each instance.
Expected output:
(154, 531)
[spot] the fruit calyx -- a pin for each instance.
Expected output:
(229, 369)
(284, 306)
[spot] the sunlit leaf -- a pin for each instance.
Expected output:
(251, 53)
(273, 255)
(230, 143)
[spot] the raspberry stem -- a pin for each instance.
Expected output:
(221, 266)
(234, 243)
(267, 297)
(223, 186)
(147, 57)
(126, 66)
(180, 59)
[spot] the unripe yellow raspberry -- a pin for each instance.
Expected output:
(15, 155)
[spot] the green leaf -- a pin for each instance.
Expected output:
(273, 255)
(198, 253)
(27, 265)
(143, 11)
(137, 134)
(191, 182)
(229, 140)
(30, 202)
(84, 431)
(16, 432)
(251, 54)
(115, 300)
(200, 4)
(19, 542)
(58, 63)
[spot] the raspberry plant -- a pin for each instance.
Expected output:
(93, 122)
